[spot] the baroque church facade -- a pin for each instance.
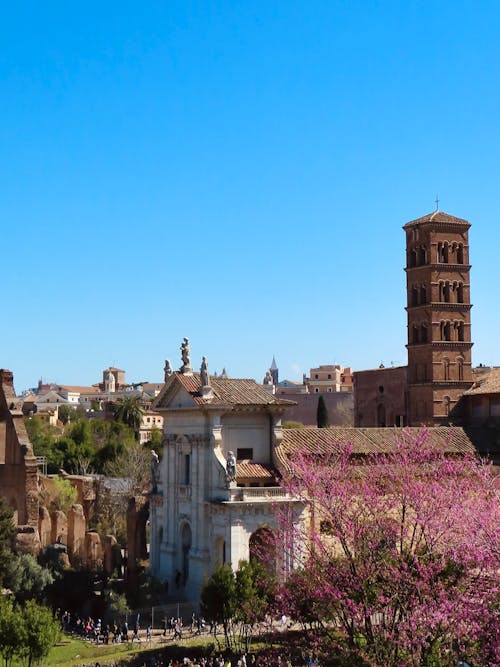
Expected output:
(215, 490)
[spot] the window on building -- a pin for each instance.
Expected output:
(244, 454)
(316, 377)
(329, 376)
(186, 473)
(460, 253)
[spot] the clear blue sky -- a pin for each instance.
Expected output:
(237, 172)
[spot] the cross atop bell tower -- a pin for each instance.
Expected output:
(438, 309)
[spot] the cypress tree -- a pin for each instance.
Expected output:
(322, 413)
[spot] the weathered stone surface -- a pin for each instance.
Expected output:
(59, 531)
(44, 526)
(77, 527)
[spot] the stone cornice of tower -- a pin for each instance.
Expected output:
(442, 344)
(439, 219)
(440, 305)
(441, 267)
(443, 383)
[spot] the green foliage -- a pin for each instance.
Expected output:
(81, 446)
(322, 417)
(238, 600)
(41, 632)
(27, 579)
(117, 607)
(12, 631)
(129, 411)
(27, 633)
(218, 596)
(292, 424)
(65, 494)
(7, 531)
(70, 413)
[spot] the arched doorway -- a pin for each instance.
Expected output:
(262, 548)
(186, 546)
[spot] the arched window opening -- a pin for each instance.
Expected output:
(415, 335)
(445, 331)
(441, 291)
(422, 255)
(460, 366)
(414, 296)
(423, 294)
(413, 258)
(446, 369)
(460, 253)
(460, 293)
(446, 292)
(460, 330)
(446, 252)
(423, 333)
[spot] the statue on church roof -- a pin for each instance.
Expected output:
(269, 378)
(231, 467)
(224, 374)
(204, 376)
(185, 356)
(155, 470)
(167, 370)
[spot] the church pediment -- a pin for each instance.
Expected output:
(174, 396)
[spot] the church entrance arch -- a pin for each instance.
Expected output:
(262, 548)
(186, 546)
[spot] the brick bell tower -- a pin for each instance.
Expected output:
(438, 308)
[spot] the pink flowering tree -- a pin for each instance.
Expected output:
(398, 563)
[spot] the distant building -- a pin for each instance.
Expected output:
(329, 379)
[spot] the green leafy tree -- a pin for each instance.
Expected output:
(65, 494)
(7, 531)
(41, 632)
(218, 599)
(12, 631)
(322, 418)
(129, 411)
(27, 579)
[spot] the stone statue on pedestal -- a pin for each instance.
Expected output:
(186, 356)
(231, 467)
(167, 370)
(155, 471)
(269, 378)
(204, 376)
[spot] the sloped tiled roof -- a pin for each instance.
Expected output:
(487, 383)
(226, 391)
(250, 469)
(366, 441)
(437, 216)
(77, 389)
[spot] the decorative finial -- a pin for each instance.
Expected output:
(437, 203)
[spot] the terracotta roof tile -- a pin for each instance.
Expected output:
(437, 216)
(78, 390)
(250, 469)
(226, 391)
(366, 441)
(487, 383)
